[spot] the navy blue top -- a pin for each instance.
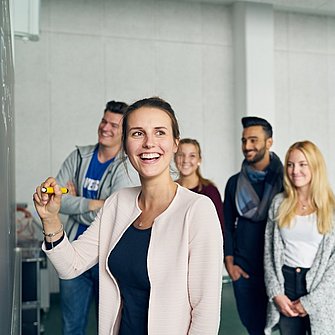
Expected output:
(91, 183)
(244, 238)
(128, 264)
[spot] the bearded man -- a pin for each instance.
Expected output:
(248, 195)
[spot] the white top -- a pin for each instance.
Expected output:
(301, 241)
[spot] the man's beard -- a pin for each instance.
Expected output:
(260, 154)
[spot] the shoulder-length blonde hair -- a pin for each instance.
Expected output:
(321, 194)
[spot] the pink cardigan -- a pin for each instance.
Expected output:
(184, 263)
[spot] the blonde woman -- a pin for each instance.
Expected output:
(300, 247)
(188, 160)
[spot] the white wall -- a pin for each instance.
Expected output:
(305, 82)
(92, 52)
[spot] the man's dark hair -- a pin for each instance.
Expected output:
(249, 121)
(117, 107)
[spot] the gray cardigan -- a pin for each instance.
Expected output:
(319, 302)
(119, 174)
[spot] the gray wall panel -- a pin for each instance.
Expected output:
(7, 171)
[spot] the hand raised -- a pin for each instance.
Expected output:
(48, 205)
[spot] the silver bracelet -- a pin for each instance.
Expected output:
(55, 233)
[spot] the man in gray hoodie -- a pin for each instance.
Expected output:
(91, 173)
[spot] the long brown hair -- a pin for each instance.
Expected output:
(202, 181)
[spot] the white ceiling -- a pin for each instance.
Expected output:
(320, 7)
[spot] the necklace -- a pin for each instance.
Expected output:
(139, 223)
(303, 206)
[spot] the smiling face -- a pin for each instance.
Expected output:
(255, 145)
(298, 170)
(110, 130)
(187, 159)
(150, 144)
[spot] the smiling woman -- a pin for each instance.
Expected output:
(300, 247)
(150, 143)
(188, 160)
(159, 246)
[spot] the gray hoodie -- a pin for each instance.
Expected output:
(119, 174)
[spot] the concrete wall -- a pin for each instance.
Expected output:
(305, 82)
(93, 51)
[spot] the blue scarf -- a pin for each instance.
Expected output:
(247, 201)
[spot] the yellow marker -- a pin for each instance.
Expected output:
(50, 190)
